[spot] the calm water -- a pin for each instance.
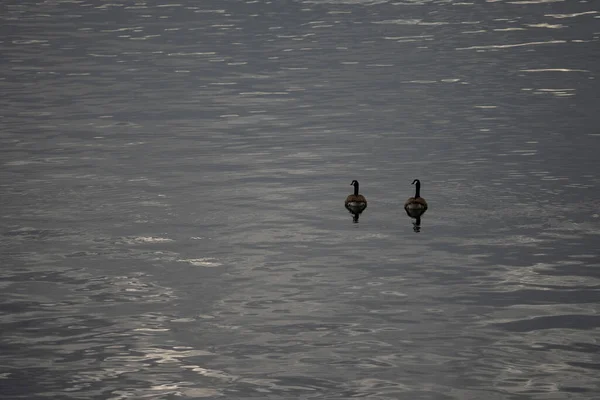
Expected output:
(172, 185)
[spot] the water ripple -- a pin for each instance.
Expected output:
(172, 185)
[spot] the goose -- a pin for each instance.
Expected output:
(355, 203)
(416, 206)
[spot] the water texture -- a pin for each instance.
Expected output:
(172, 183)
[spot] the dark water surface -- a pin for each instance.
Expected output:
(172, 185)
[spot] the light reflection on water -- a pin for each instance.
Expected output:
(172, 187)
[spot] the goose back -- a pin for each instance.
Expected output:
(416, 204)
(355, 203)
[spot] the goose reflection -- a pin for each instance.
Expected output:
(416, 206)
(355, 203)
(416, 215)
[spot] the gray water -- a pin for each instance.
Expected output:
(172, 185)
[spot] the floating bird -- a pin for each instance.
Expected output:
(416, 203)
(355, 203)
(416, 206)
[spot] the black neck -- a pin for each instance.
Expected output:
(356, 188)
(418, 190)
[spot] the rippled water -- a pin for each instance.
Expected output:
(172, 186)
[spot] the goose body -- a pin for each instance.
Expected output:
(355, 203)
(416, 206)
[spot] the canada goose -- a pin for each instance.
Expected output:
(355, 203)
(416, 206)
